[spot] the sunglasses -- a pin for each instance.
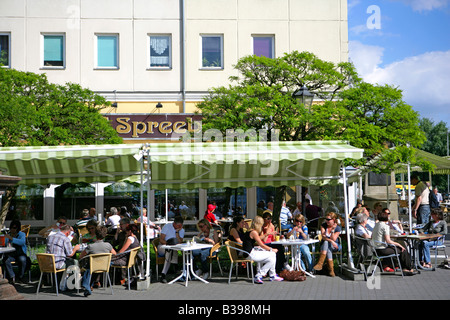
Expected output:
(328, 219)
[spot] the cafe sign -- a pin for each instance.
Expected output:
(153, 126)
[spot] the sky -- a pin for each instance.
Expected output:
(406, 44)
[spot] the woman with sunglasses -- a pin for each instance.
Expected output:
(207, 235)
(300, 231)
(330, 243)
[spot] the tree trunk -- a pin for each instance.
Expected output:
(6, 202)
(278, 202)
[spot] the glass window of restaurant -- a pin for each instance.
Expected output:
(229, 201)
(124, 194)
(71, 199)
(27, 204)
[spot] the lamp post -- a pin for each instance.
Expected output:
(304, 97)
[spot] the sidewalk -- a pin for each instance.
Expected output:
(428, 285)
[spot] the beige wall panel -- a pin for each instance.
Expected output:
(36, 27)
(12, 8)
(59, 9)
(107, 80)
(263, 9)
(106, 9)
(207, 9)
(148, 79)
(321, 38)
(315, 10)
(250, 28)
(156, 9)
(16, 28)
(199, 79)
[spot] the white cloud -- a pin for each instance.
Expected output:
(424, 79)
(425, 5)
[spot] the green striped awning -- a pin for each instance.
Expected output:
(61, 164)
(247, 164)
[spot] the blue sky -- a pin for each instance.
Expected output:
(405, 43)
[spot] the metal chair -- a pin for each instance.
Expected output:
(437, 248)
(379, 258)
(233, 248)
(46, 263)
(100, 263)
(131, 263)
(215, 249)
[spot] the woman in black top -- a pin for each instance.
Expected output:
(237, 229)
(263, 254)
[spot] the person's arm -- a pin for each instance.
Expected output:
(126, 245)
(255, 236)
(235, 235)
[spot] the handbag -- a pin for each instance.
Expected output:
(293, 275)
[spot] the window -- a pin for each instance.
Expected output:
(263, 46)
(53, 50)
(212, 51)
(108, 51)
(160, 51)
(4, 50)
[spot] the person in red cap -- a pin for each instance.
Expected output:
(209, 215)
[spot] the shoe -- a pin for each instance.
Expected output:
(276, 278)
(288, 267)
(96, 285)
(388, 269)
(199, 272)
(162, 278)
(122, 282)
(258, 280)
(87, 293)
(205, 276)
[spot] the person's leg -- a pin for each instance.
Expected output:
(306, 254)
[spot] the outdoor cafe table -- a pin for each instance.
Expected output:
(413, 241)
(295, 251)
(188, 259)
(4, 250)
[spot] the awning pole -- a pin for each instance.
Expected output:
(141, 189)
(347, 229)
(147, 271)
(409, 198)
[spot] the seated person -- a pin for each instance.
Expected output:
(312, 213)
(91, 235)
(330, 243)
(361, 229)
(171, 233)
(436, 225)
(237, 229)
(98, 246)
(207, 235)
(152, 229)
(285, 216)
(300, 231)
(113, 220)
(209, 214)
(59, 244)
(53, 228)
(18, 241)
(131, 242)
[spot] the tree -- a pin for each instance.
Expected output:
(35, 112)
(367, 116)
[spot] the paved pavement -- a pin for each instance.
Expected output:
(428, 285)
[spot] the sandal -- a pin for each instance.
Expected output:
(427, 265)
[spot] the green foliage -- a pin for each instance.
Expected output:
(36, 112)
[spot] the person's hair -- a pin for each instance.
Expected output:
(101, 232)
(205, 222)
(125, 220)
(91, 223)
(64, 228)
(415, 176)
(383, 215)
(300, 217)
(62, 218)
(307, 201)
(178, 219)
(438, 212)
(266, 214)
(113, 210)
(257, 224)
(133, 228)
(236, 220)
(361, 217)
(84, 213)
(377, 204)
(15, 223)
(359, 210)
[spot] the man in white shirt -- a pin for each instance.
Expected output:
(171, 233)
(421, 209)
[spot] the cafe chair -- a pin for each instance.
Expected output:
(99, 263)
(158, 260)
(378, 258)
(214, 255)
(46, 262)
(233, 248)
(436, 248)
(131, 263)
(362, 251)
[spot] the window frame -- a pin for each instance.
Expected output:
(8, 34)
(222, 54)
(272, 36)
(149, 57)
(59, 34)
(117, 54)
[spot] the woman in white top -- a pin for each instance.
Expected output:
(384, 245)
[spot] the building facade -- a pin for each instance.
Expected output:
(157, 58)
